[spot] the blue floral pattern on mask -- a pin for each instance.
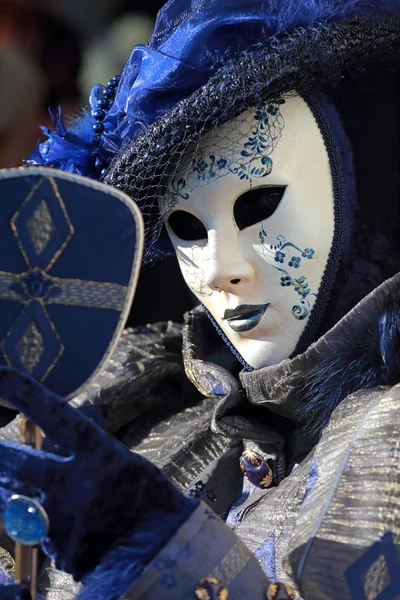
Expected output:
(258, 142)
(280, 257)
(308, 253)
(295, 262)
(250, 162)
(274, 255)
(177, 188)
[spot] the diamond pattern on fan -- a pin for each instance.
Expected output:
(33, 344)
(375, 575)
(30, 347)
(40, 227)
(376, 579)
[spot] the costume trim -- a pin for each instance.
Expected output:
(340, 161)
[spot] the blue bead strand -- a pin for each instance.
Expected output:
(99, 115)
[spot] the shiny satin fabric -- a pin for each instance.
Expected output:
(354, 509)
(350, 477)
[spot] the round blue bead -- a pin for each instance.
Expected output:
(98, 127)
(112, 84)
(99, 163)
(108, 93)
(25, 520)
(99, 115)
(96, 140)
(103, 172)
(103, 103)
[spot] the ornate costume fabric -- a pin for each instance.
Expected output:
(279, 481)
(208, 467)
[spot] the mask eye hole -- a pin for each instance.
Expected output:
(257, 205)
(186, 226)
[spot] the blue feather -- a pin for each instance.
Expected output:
(68, 149)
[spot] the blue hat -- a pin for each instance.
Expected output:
(206, 63)
(192, 40)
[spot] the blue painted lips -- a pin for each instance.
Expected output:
(245, 317)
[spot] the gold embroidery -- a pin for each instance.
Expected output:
(253, 457)
(40, 227)
(280, 591)
(30, 346)
(6, 279)
(115, 292)
(103, 283)
(62, 205)
(9, 332)
(16, 215)
(234, 562)
(62, 347)
(71, 227)
(202, 592)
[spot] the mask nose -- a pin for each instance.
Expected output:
(228, 266)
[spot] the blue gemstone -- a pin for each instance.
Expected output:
(25, 520)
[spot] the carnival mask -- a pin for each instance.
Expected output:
(253, 227)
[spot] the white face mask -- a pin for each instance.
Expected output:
(254, 250)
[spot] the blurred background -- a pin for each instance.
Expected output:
(51, 53)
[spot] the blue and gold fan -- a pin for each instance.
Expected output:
(70, 252)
